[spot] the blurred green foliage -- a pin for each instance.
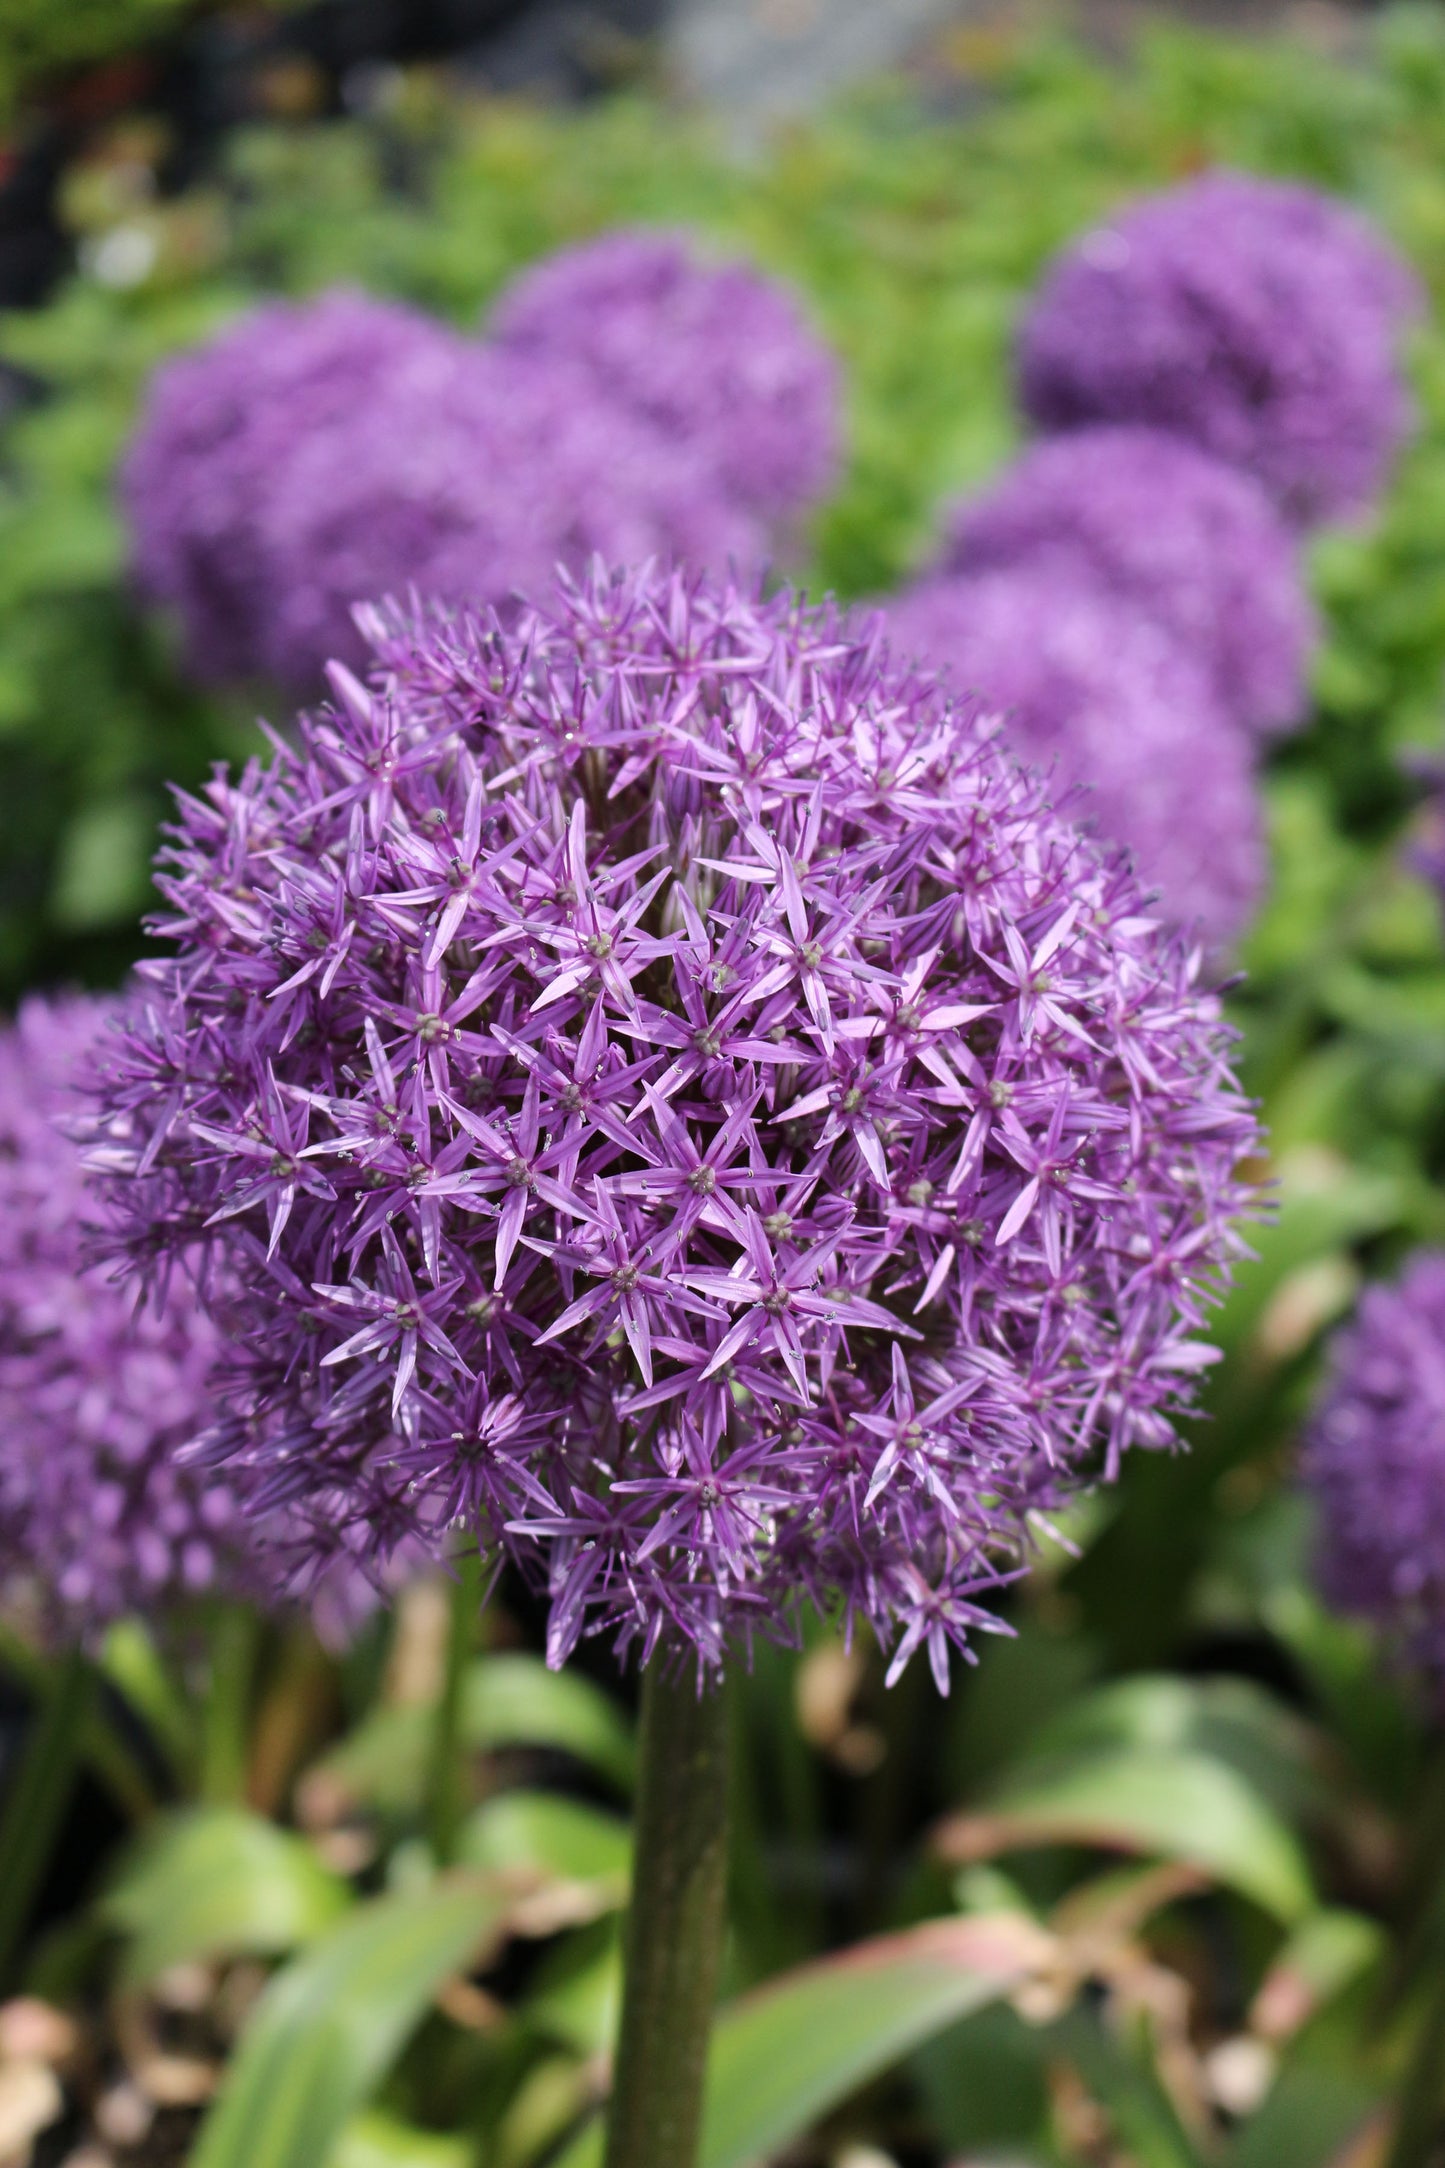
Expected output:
(38, 37)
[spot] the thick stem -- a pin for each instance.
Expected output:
(446, 1777)
(1417, 2128)
(674, 1930)
(1420, 1955)
(38, 1796)
(235, 1638)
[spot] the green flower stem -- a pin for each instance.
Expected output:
(235, 1638)
(446, 1778)
(1422, 2097)
(130, 1662)
(109, 1757)
(672, 1943)
(38, 1796)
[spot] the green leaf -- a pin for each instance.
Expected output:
(1323, 1204)
(1230, 1720)
(984, 2085)
(215, 1882)
(375, 2140)
(1182, 1805)
(789, 2053)
(328, 2028)
(577, 1993)
(133, 1664)
(104, 860)
(507, 1701)
(1313, 2112)
(563, 1839)
(1327, 1953)
(1119, 2072)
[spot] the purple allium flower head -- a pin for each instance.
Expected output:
(1125, 718)
(339, 448)
(664, 1093)
(472, 481)
(221, 423)
(714, 355)
(1374, 1460)
(96, 1394)
(1196, 545)
(1424, 851)
(1257, 318)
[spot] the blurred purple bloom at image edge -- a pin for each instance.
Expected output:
(1120, 716)
(1257, 318)
(667, 1096)
(96, 1393)
(1374, 1463)
(1192, 543)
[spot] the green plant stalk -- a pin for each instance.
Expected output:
(102, 1749)
(38, 1796)
(1415, 1911)
(446, 1777)
(235, 1636)
(1417, 2125)
(672, 1941)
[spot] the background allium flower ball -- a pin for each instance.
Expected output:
(470, 482)
(716, 356)
(1257, 318)
(1123, 718)
(666, 1090)
(95, 1394)
(1374, 1460)
(1194, 544)
(328, 450)
(220, 424)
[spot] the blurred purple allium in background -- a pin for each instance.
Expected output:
(471, 487)
(1374, 1461)
(680, 1106)
(1190, 542)
(714, 355)
(221, 423)
(322, 451)
(1425, 843)
(1257, 318)
(1122, 716)
(95, 1394)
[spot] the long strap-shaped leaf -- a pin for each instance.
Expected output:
(1175, 1805)
(785, 2055)
(329, 2026)
(505, 1701)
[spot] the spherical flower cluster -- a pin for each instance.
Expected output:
(1374, 1460)
(664, 1093)
(713, 355)
(1258, 319)
(96, 1393)
(220, 424)
(328, 450)
(1191, 543)
(474, 487)
(1094, 692)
